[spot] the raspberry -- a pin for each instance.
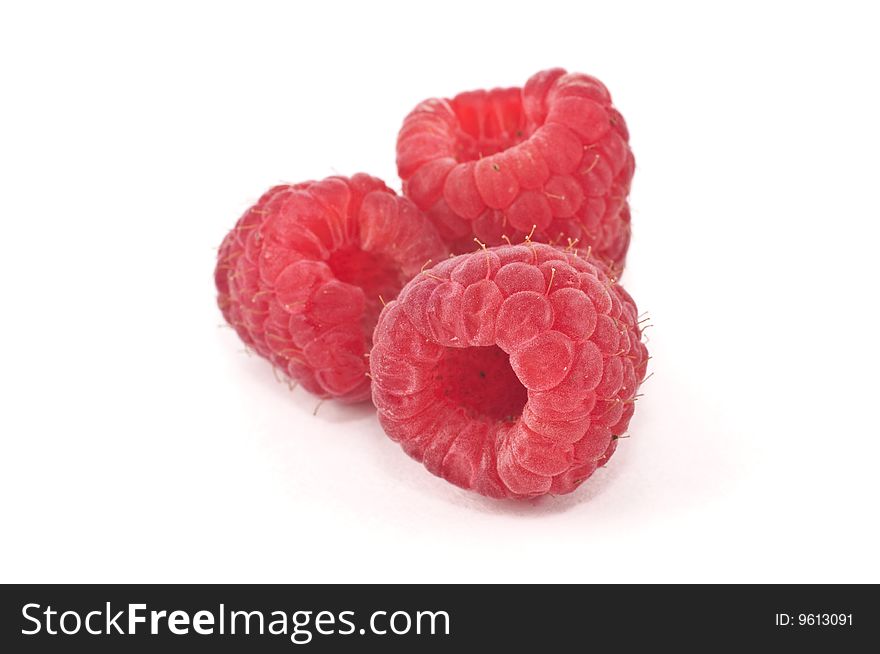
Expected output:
(303, 275)
(553, 155)
(510, 371)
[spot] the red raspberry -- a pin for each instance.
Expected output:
(303, 275)
(509, 371)
(554, 155)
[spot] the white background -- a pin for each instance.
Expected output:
(141, 444)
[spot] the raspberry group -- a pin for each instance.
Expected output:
(303, 275)
(510, 371)
(551, 159)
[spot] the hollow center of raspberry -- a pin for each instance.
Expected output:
(375, 274)
(488, 123)
(481, 381)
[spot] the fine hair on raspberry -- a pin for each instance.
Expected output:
(510, 371)
(303, 275)
(552, 158)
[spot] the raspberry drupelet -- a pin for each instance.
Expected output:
(510, 371)
(303, 275)
(493, 164)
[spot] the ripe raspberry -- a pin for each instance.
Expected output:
(303, 274)
(554, 154)
(509, 371)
